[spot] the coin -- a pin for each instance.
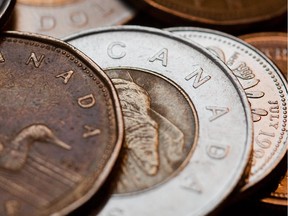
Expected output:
(187, 122)
(265, 88)
(224, 12)
(273, 45)
(60, 18)
(61, 126)
(6, 7)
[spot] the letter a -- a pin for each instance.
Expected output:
(66, 76)
(217, 112)
(162, 56)
(1, 58)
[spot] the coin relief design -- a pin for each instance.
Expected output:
(62, 130)
(266, 91)
(173, 173)
(60, 18)
(156, 141)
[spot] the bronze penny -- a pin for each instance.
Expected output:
(223, 12)
(273, 45)
(61, 126)
(6, 7)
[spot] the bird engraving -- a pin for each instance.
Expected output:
(14, 155)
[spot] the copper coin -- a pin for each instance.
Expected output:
(273, 45)
(61, 126)
(60, 18)
(222, 12)
(6, 7)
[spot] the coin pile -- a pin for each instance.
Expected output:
(114, 108)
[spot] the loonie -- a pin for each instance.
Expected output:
(60, 18)
(62, 126)
(187, 122)
(265, 88)
(6, 7)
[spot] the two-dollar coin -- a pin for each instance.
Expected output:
(188, 128)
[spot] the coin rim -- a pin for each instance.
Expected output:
(242, 166)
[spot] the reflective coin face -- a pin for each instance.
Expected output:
(178, 101)
(266, 90)
(60, 18)
(6, 7)
(273, 45)
(223, 12)
(61, 126)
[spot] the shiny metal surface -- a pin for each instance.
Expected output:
(265, 88)
(62, 126)
(61, 18)
(154, 61)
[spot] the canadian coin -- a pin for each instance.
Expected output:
(187, 122)
(265, 88)
(60, 18)
(221, 12)
(6, 7)
(61, 126)
(273, 45)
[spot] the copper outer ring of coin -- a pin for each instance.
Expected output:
(5, 11)
(104, 61)
(274, 72)
(118, 113)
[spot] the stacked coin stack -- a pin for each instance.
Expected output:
(125, 108)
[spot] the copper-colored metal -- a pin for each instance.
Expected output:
(222, 12)
(273, 45)
(61, 126)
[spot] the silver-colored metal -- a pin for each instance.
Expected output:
(139, 58)
(60, 18)
(265, 88)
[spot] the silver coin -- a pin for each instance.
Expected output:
(60, 18)
(265, 88)
(170, 166)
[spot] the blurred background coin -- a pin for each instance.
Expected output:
(187, 122)
(61, 127)
(273, 45)
(229, 15)
(6, 7)
(266, 90)
(60, 18)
